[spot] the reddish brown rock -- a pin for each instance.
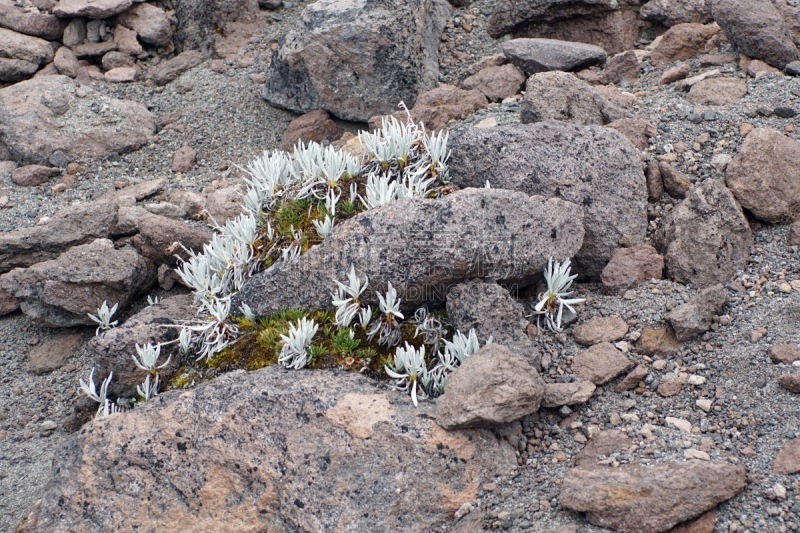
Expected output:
(29, 21)
(706, 523)
(655, 185)
(559, 394)
(629, 266)
(435, 108)
(672, 12)
(763, 175)
(788, 459)
(632, 379)
(496, 83)
(169, 70)
(790, 382)
(674, 74)
(66, 62)
(637, 130)
(184, 159)
(623, 67)
(695, 316)
(717, 91)
(93, 9)
(669, 387)
(8, 304)
(660, 342)
(602, 329)
(794, 234)
(54, 353)
(601, 363)
(601, 446)
(683, 41)
(650, 499)
(33, 175)
(313, 126)
(784, 353)
(676, 183)
(151, 23)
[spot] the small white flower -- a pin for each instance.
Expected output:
(294, 353)
(346, 298)
(552, 302)
(103, 317)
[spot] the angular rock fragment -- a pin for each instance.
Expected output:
(562, 96)
(559, 394)
(602, 329)
(694, 317)
(629, 266)
(542, 55)
(601, 363)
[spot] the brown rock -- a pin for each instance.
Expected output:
(788, 459)
(494, 60)
(30, 22)
(496, 83)
(492, 387)
(695, 317)
(637, 130)
(676, 183)
(655, 185)
(44, 115)
(632, 379)
(92, 50)
(706, 238)
(21, 55)
(790, 382)
(717, 59)
(784, 353)
(8, 304)
(602, 329)
(117, 59)
(93, 9)
(660, 342)
(794, 234)
(623, 67)
(184, 159)
(706, 523)
(313, 126)
(621, 99)
(756, 69)
(33, 175)
(543, 55)
(650, 499)
(62, 291)
(629, 266)
(121, 75)
(602, 445)
(54, 353)
(159, 237)
(757, 29)
(672, 12)
(763, 175)
(683, 41)
(561, 96)
(66, 62)
(224, 203)
(717, 91)
(169, 70)
(126, 41)
(436, 107)
(601, 363)
(558, 394)
(669, 387)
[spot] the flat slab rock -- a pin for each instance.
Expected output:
(601, 363)
(542, 55)
(650, 499)
(512, 234)
(270, 450)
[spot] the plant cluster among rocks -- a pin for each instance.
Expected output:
(456, 266)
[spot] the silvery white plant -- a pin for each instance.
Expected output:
(346, 297)
(247, 312)
(148, 389)
(458, 349)
(153, 300)
(552, 302)
(331, 199)
(148, 357)
(103, 317)
(387, 326)
(185, 341)
(324, 228)
(408, 370)
(380, 190)
(429, 327)
(294, 353)
(364, 317)
(107, 407)
(436, 147)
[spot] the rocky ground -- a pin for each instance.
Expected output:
(709, 403)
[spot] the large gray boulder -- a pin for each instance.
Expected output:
(358, 58)
(60, 292)
(30, 22)
(21, 55)
(271, 450)
(45, 115)
(706, 238)
(756, 28)
(594, 167)
(424, 246)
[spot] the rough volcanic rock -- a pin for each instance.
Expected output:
(601, 446)
(74, 225)
(111, 351)
(436, 107)
(150, 23)
(93, 9)
(542, 55)
(30, 22)
(785, 353)
(159, 235)
(61, 292)
(562, 96)
(66, 62)
(559, 394)
(788, 459)
(199, 22)
(169, 70)
(490, 310)
(706, 238)
(371, 461)
(621, 68)
(496, 83)
(672, 12)
(492, 233)
(594, 167)
(33, 175)
(357, 59)
(21, 55)
(650, 499)
(491, 388)
(695, 316)
(756, 28)
(676, 183)
(763, 175)
(637, 130)
(790, 382)
(53, 353)
(717, 91)
(44, 115)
